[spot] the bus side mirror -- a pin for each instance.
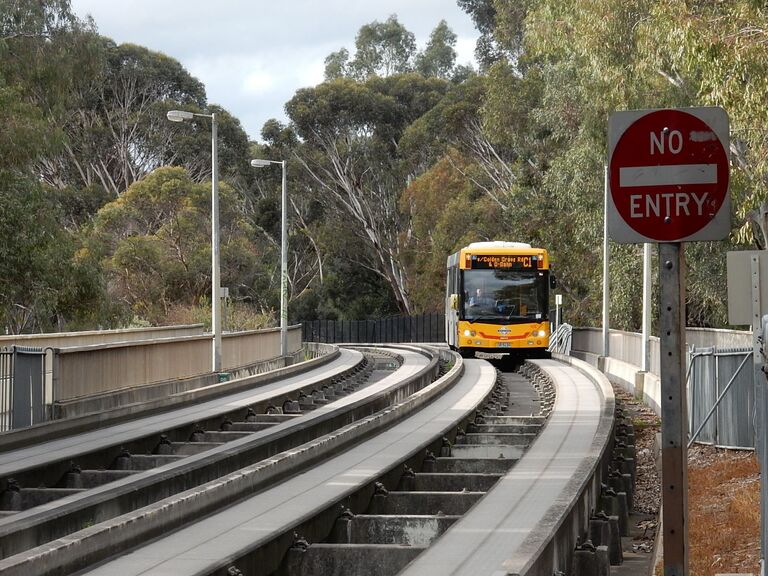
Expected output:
(552, 282)
(454, 301)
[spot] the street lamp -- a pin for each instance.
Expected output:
(181, 116)
(257, 163)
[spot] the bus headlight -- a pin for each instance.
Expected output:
(470, 333)
(540, 333)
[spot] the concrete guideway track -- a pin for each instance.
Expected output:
(14, 461)
(214, 542)
(524, 525)
(102, 498)
(499, 535)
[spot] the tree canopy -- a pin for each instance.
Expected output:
(398, 158)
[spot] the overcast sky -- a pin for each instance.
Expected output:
(252, 55)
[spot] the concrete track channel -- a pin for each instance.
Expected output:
(373, 508)
(474, 473)
(53, 490)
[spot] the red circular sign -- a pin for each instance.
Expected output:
(668, 175)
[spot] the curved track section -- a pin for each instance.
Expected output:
(12, 462)
(215, 542)
(418, 368)
(526, 523)
(512, 529)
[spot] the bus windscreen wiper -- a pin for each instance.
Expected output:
(473, 320)
(515, 317)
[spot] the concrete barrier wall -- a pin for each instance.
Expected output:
(244, 348)
(132, 399)
(627, 346)
(650, 393)
(97, 369)
(91, 412)
(622, 366)
(87, 370)
(92, 337)
(706, 337)
(587, 340)
(624, 346)
(587, 345)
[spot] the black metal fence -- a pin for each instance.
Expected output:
(421, 328)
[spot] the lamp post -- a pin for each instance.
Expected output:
(181, 116)
(258, 163)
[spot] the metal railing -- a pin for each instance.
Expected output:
(560, 341)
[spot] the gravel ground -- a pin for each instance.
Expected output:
(647, 497)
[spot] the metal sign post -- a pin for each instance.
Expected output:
(668, 182)
(674, 421)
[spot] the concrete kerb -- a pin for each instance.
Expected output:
(95, 543)
(550, 546)
(55, 429)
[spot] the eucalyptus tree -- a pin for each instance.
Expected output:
(387, 48)
(444, 211)
(496, 158)
(307, 255)
(107, 104)
(337, 64)
(350, 132)
(501, 26)
(117, 131)
(42, 284)
(715, 53)
(43, 19)
(575, 67)
(585, 60)
(188, 144)
(154, 244)
(439, 55)
(383, 49)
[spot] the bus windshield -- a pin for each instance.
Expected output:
(506, 296)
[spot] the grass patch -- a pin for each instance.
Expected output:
(645, 422)
(724, 512)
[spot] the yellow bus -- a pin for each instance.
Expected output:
(497, 299)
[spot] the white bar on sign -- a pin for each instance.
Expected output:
(671, 175)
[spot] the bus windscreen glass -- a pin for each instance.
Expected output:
(505, 296)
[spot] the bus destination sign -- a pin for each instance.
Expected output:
(508, 261)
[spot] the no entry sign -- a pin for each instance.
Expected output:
(668, 175)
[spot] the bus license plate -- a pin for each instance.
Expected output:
(503, 345)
